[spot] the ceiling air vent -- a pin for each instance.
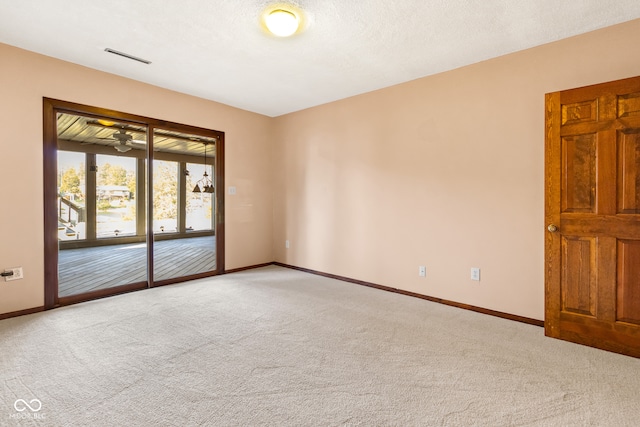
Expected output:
(126, 55)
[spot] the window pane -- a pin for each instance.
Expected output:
(199, 205)
(165, 196)
(71, 196)
(115, 196)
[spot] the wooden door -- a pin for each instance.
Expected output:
(593, 216)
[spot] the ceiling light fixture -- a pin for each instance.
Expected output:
(283, 19)
(122, 147)
(282, 23)
(123, 139)
(204, 184)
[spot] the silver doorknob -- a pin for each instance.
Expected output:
(552, 228)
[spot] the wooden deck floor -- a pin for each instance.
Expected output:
(90, 269)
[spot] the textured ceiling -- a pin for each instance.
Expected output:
(216, 49)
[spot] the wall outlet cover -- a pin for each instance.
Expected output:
(17, 274)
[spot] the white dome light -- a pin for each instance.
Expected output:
(282, 23)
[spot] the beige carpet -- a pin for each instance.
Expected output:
(279, 347)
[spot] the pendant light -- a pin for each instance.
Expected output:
(204, 184)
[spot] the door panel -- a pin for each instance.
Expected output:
(579, 112)
(629, 105)
(100, 251)
(593, 216)
(579, 173)
(628, 297)
(579, 281)
(629, 172)
(184, 191)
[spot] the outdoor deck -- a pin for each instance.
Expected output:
(91, 269)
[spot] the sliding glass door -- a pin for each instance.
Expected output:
(128, 204)
(183, 205)
(101, 248)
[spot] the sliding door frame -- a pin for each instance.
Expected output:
(51, 107)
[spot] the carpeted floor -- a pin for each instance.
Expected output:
(278, 347)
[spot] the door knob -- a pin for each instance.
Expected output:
(552, 228)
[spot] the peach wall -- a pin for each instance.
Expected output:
(446, 171)
(25, 78)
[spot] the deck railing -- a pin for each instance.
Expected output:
(70, 212)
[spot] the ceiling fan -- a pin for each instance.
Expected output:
(126, 141)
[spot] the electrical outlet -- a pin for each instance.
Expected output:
(286, 244)
(475, 274)
(17, 274)
(422, 271)
(232, 191)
